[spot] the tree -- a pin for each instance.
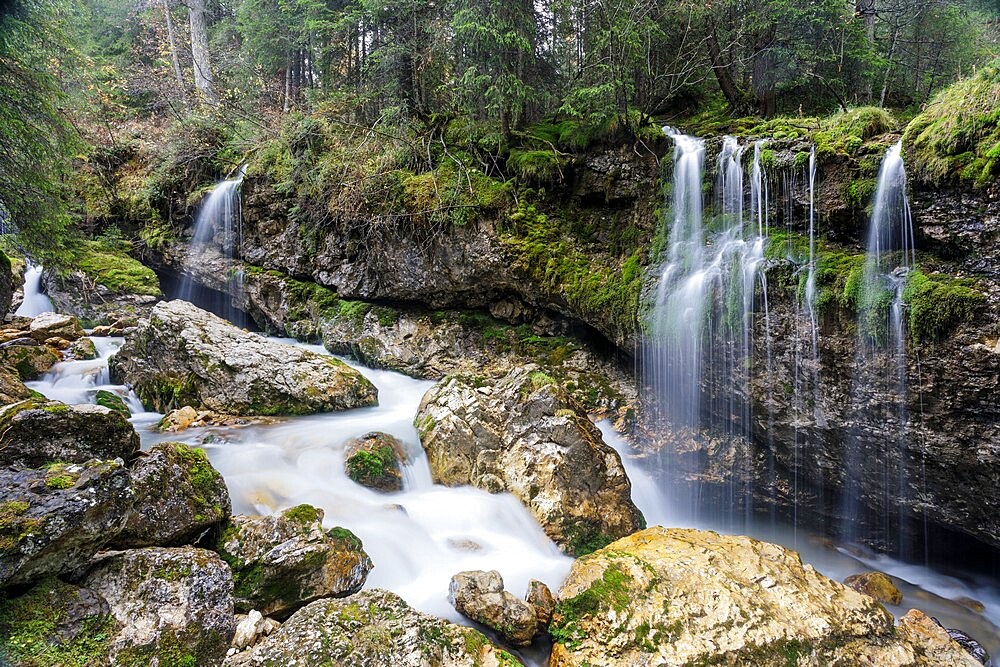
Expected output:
(200, 56)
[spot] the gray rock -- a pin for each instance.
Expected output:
(373, 628)
(523, 434)
(49, 325)
(375, 460)
(179, 496)
(183, 355)
(52, 521)
(540, 597)
(171, 604)
(36, 432)
(480, 596)
(284, 561)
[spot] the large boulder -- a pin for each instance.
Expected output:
(375, 460)
(182, 355)
(284, 561)
(523, 434)
(54, 520)
(175, 606)
(36, 432)
(29, 359)
(480, 596)
(12, 389)
(683, 596)
(179, 496)
(54, 325)
(371, 628)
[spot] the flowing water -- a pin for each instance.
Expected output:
(35, 300)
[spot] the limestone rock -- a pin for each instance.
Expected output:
(540, 597)
(480, 596)
(523, 434)
(373, 627)
(12, 389)
(936, 644)
(251, 628)
(175, 606)
(187, 417)
(375, 460)
(54, 520)
(36, 432)
(683, 596)
(112, 401)
(179, 495)
(182, 355)
(54, 325)
(83, 348)
(29, 359)
(876, 584)
(284, 561)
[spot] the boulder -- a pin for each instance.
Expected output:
(52, 521)
(179, 496)
(54, 325)
(284, 561)
(175, 606)
(938, 645)
(29, 359)
(876, 584)
(112, 401)
(373, 627)
(36, 432)
(82, 348)
(480, 596)
(187, 417)
(375, 460)
(541, 599)
(182, 355)
(968, 644)
(12, 389)
(66, 624)
(523, 434)
(251, 628)
(683, 596)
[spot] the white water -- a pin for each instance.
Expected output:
(35, 301)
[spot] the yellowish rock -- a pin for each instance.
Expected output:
(876, 584)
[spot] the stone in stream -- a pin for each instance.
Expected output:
(540, 597)
(373, 627)
(54, 325)
(112, 401)
(525, 435)
(29, 359)
(182, 355)
(284, 561)
(179, 496)
(480, 596)
(52, 521)
(684, 596)
(375, 460)
(38, 431)
(174, 606)
(876, 584)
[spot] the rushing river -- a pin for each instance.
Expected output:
(418, 538)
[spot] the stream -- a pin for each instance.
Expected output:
(418, 538)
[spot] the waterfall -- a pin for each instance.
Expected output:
(35, 301)
(219, 220)
(875, 476)
(697, 354)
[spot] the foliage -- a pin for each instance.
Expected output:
(113, 268)
(937, 303)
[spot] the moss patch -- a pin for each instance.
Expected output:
(938, 303)
(304, 514)
(114, 269)
(611, 591)
(112, 401)
(14, 526)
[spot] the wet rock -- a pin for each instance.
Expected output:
(29, 360)
(375, 460)
(183, 355)
(937, 646)
(83, 348)
(37, 431)
(175, 606)
(52, 521)
(524, 435)
(251, 628)
(284, 561)
(57, 343)
(12, 390)
(179, 496)
(7, 283)
(54, 325)
(67, 624)
(373, 627)
(968, 644)
(112, 401)
(178, 420)
(876, 584)
(187, 417)
(480, 596)
(681, 596)
(970, 603)
(540, 597)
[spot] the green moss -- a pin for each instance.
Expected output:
(536, 166)
(346, 538)
(859, 192)
(367, 465)
(114, 269)
(14, 526)
(956, 139)
(611, 592)
(112, 401)
(64, 480)
(938, 303)
(304, 514)
(205, 481)
(172, 571)
(33, 629)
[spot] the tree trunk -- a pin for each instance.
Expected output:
(865, 10)
(722, 73)
(173, 54)
(199, 49)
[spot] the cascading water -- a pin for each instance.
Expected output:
(35, 301)
(875, 475)
(219, 218)
(702, 329)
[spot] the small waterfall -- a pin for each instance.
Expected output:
(701, 338)
(219, 221)
(35, 300)
(875, 476)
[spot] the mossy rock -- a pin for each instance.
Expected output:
(876, 584)
(112, 401)
(375, 460)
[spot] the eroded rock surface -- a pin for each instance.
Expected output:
(524, 435)
(480, 596)
(182, 355)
